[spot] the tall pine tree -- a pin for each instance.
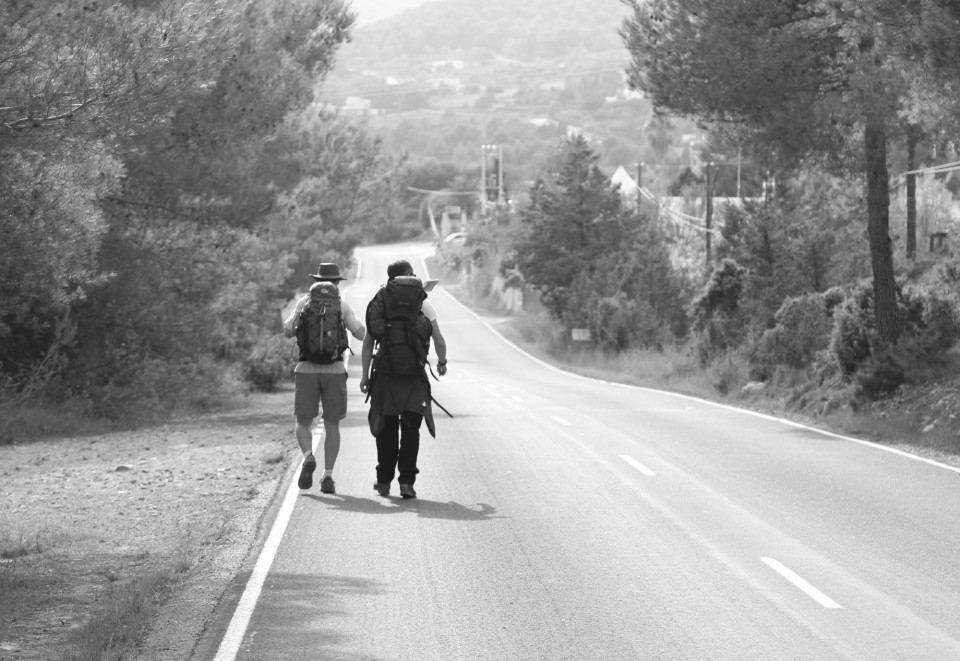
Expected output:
(813, 78)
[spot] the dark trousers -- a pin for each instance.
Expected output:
(398, 445)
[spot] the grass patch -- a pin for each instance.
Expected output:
(32, 420)
(11, 549)
(14, 583)
(125, 612)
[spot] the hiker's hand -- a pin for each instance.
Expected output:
(442, 368)
(364, 383)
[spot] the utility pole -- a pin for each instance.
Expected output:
(738, 172)
(639, 184)
(494, 181)
(483, 175)
(500, 199)
(709, 215)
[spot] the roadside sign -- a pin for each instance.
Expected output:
(580, 334)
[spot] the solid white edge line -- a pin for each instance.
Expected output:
(871, 444)
(237, 628)
(636, 464)
(801, 584)
(558, 419)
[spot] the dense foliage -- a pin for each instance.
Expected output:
(596, 264)
(831, 80)
(167, 180)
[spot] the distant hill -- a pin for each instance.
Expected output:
(444, 77)
(371, 11)
(556, 30)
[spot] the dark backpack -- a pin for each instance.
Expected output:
(321, 333)
(395, 320)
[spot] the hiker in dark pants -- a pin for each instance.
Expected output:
(400, 404)
(321, 384)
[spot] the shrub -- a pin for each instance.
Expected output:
(268, 363)
(728, 374)
(618, 323)
(939, 326)
(802, 328)
(716, 312)
(882, 372)
(853, 329)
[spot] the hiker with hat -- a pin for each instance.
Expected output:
(401, 324)
(320, 322)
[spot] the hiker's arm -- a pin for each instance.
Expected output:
(353, 323)
(366, 355)
(289, 324)
(440, 348)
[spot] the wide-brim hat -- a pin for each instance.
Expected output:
(328, 271)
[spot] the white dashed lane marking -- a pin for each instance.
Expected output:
(803, 585)
(558, 419)
(636, 464)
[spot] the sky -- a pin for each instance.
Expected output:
(370, 11)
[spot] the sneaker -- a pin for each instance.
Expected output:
(306, 473)
(327, 485)
(406, 490)
(382, 488)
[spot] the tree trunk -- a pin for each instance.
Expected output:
(886, 309)
(911, 193)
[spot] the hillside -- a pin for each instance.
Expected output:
(371, 11)
(445, 77)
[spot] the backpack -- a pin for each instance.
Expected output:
(321, 333)
(395, 320)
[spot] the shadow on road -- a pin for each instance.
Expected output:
(428, 509)
(305, 612)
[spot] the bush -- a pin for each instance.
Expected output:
(803, 327)
(269, 362)
(728, 375)
(716, 312)
(618, 323)
(931, 327)
(883, 372)
(853, 329)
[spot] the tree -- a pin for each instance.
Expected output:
(140, 164)
(806, 78)
(78, 83)
(596, 264)
(570, 223)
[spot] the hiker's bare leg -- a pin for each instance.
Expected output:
(305, 434)
(331, 443)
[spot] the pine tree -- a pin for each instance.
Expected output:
(820, 79)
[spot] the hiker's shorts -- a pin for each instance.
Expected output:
(314, 391)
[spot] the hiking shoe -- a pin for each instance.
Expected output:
(306, 473)
(383, 488)
(406, 490)
(327, 485)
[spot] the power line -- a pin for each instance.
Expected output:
(677, 216)
(440, 192)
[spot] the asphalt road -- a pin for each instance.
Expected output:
(565, 518)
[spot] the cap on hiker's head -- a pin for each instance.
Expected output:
(328, 271)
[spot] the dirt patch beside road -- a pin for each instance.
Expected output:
(81, 517)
